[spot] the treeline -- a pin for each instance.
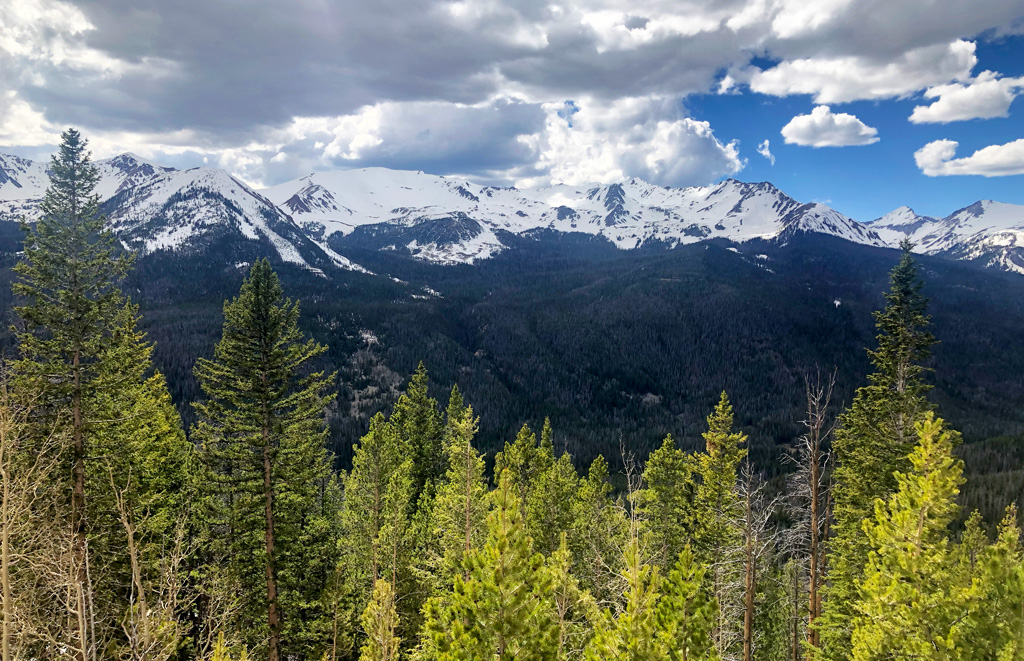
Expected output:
(123, 538)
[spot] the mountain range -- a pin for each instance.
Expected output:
(315, 220)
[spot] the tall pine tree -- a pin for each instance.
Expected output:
(262, 431)
(85, 367)
(873, 439)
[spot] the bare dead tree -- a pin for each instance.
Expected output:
(808, 505)
(759, 541)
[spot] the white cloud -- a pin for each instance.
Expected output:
(937, 159)
(823, 128)
(852, 78)
(599, 142)
(984, 97)
(764, 149)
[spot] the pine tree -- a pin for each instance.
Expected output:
(911, 606)
(502, 611)
(461, 503)
(549, 507)
(874, 438)
(575, 609)
(380, 625)
(635, 632)
(524, 460)
(420, 428)
(686, 615)
(85, 367)
(263, 434)
(718, 517)
(667, 501)
(599, 533)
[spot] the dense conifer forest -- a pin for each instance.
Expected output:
(262, 484)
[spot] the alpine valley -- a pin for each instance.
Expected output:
(583, 303)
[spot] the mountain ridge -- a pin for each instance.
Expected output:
(312, 220)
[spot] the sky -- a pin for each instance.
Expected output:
(864, 105)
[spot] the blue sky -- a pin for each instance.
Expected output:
(676, 92)
(867, 181)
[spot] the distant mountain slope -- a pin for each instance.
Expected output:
(151, 207)
(987, 232)
(316, 220)
(402, 207)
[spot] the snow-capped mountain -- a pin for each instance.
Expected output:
(151, 207)
(991, 233)
(311, 220)
(449, 220)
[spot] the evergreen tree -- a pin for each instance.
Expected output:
(524, 460)
(421, 430)
(635, 632)
(599, 533)
(874, 438)
(549, 512)
(502, 611)
(911, 604)
(461, 503)
(380, 625)
(575, 609)
(686, 615)
(262, 434)
(666, 503)
(85, 367)
(718, 522)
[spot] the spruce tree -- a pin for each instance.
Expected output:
(85, 367)
(262, 433)
(421, 430)
(524, 460)
(549, 513)
(873, 439)
(598, 534)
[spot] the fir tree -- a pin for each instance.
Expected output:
(85, 367)
(524, 460)
(874, 438)
(599, 533)
(420, 428)
(549, 508)
(262, 433)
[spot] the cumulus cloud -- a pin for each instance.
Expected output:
(852, 78)
(983, 97)
(598, 142)
(764, 149)
(823, 128)
(455, 86)
(938, 159)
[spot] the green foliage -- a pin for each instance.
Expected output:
(666, 503)
(380, 624)
(874, 438)
(549, 512)
(911, 604)
(461, 504)
(686, 614)
(262, 435)
(599, 533)
(502, 610)
(632, 634)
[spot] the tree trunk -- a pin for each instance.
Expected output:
(273, 617)
(748, 605)
(5, 551)
(78, 502)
